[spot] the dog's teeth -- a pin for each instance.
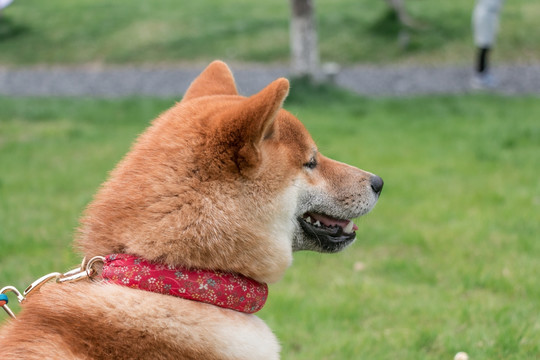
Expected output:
(308, 220)
(317, 223)
(348, 228)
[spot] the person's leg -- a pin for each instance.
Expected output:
(482, 59)
(485, 25)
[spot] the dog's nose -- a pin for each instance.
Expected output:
(377, 184)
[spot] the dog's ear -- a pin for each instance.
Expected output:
(216, 79)
(251, 121)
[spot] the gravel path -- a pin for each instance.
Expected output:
(149, 81)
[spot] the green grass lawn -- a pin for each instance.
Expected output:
(172, 31)
(447, 261)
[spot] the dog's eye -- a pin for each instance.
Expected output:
(311, 164)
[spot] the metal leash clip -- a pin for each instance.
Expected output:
(86, 270)
(4, 299)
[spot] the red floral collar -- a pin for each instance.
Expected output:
(226, 290)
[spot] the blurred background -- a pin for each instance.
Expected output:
(448, 260)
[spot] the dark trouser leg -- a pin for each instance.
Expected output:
(482, 60)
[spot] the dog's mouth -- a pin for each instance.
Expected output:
(325, 227)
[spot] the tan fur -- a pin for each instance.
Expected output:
(113, 322)
(218, 182)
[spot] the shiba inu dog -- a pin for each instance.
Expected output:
(206, 208)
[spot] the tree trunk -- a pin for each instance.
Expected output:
(304, 51)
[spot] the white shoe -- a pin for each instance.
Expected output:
(483, 82)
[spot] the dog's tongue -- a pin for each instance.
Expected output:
(330, 221)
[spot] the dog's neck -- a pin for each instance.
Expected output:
(226, 290)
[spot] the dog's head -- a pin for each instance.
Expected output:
(229, 183)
